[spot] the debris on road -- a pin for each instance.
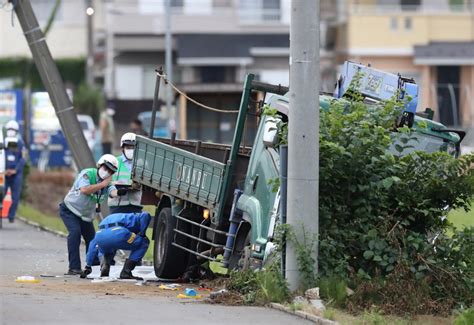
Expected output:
(27, 279)
(170, 286)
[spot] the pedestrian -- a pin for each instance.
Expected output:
(125, 231)
(136, 126)
(129, 202)
(82, 202)
(107, 130)
(15, 163)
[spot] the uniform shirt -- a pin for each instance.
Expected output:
(135, 222)
(83, 205)
(14, 158)
(123, 176)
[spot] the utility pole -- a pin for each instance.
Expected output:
(54, 84)
(90, 44)
(169, 61)
(303, 134)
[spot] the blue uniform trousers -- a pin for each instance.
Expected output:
(111, 239)
(14, 183)
(76, 228)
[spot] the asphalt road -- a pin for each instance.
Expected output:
(25, 250)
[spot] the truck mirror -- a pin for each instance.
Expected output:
(270, 133)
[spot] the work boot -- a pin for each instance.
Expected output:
(127, 270)
(105, 266)
(73, 272)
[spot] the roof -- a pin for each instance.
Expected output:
(227, 45)
(445, 53)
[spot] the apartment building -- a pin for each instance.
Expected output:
(215, 44)
(431, 41)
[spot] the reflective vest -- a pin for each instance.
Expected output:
(83, 205)
(123, 176)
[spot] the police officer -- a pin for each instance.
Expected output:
(129, 202)
(15, 163)
(125, 231)
(91, 187)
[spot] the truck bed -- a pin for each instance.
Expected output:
(190, 170)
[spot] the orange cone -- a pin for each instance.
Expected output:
(7, 203)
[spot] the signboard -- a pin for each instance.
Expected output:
(11, 106)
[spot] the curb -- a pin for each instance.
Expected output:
(37, 225)
(313, 318)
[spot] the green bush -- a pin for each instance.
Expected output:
(89, 101)
(381, 215)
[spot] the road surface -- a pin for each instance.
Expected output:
(25, 250)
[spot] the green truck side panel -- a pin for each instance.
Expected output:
(177, 172)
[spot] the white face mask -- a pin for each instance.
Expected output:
(104, 173)
(11, 133)
(128, 153)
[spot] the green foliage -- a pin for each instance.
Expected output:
(465, 318)
(260, 287)
(381, 215)
(23, 71)
(89, 101)
(333, 290)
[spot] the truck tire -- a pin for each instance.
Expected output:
(169, 261)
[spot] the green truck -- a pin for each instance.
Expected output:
(215, 199)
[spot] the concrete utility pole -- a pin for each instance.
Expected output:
(54, 84)
(303, 133)
(169, 59)
(90, 44)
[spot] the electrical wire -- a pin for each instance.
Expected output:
(193, 100)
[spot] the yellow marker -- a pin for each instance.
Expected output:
(27, 279)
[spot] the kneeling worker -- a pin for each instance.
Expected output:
(125, 231)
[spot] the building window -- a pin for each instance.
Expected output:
(216, 74)
(410, 5)
(259, 11)
(408, 23)
(393, 23)
(44, 8)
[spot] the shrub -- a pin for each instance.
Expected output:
(382, 214)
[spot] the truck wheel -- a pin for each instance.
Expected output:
(169, 261)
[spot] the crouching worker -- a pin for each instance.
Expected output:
(91, 187)
(125, 231)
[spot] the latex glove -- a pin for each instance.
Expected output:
(86, 272)
(121, 191)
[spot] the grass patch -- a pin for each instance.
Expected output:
(32, 214)
(462, 219)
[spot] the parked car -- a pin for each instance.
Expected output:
(88, 128)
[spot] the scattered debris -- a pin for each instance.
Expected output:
(318, 304)
(170, 286)
(226, 297)
(27, 279)
(300, 300)
(312, 293)
(185, 296)
(104, 279)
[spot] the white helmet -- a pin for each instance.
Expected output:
(12, 125)
(109, 161)
(128, 139)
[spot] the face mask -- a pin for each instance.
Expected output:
(11, 133)
(128, 153)
(104, 173)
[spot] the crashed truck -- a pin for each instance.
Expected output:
(215, 199)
